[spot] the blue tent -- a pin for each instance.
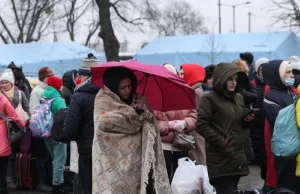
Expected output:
(214, 48)
(60, 56)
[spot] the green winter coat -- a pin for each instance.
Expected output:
(220, 121)
(58, 103)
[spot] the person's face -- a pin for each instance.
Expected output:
(289, 73)
(125, 88)
(45, 80)
(231, 83)
(6, 85)
(181, 74)
(83, 78)
(259, 72)
(209, 81)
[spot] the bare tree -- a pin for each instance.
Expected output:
(176, 18)
(130, 12)
(286, 12)
(213, 47)
(30, 20)
(74, 11)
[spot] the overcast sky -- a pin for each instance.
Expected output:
(260, 20)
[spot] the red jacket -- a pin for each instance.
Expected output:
(7, 109)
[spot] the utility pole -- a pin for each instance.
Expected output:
(220, 28)
(233, 9)
(249, 21)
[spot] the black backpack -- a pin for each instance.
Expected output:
(57, 132)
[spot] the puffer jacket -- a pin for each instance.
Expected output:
(257, 125)
(58, 103)
(7, 109)
(194, 75)
(282, 96)
(68, 85)
(79, 123)
(167, 135)
(220, 122)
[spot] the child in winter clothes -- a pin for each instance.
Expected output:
(57, 150)
(5, 150)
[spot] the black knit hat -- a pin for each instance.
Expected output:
(209, 70)
(248, 57)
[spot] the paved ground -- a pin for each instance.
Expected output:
(253, 181)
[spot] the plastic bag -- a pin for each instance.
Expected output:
(186, 180)
(207, 187)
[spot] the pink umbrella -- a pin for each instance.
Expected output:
(164, 91)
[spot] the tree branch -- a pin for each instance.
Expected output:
(7, 30)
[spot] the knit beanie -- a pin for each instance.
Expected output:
(171, 68)
(54, 82)
(248, 57)
(295, 62)
(8, 75)
(87, 63)
(259, 62)
(209, 70)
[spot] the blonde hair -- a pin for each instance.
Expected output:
(242, 65)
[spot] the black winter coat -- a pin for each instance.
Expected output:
(68, 85)
(281, 95)
(258, 125)
(79, 123)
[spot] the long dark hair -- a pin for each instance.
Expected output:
(114, 75)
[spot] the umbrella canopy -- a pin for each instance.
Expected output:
(163, 90)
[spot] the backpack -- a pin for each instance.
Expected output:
(285, 140)
(42, 119)
(57, 132)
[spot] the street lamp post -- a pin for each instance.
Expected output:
(233, 11)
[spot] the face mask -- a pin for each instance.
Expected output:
(289, 82)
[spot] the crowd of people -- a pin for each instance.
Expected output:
(116, 144)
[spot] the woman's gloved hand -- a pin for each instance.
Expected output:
(180, 126)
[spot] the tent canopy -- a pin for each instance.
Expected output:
(215, 48)
(60, 56)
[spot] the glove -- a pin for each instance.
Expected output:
(180, 126)
(172, 124)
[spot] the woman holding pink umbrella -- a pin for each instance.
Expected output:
(127, 153)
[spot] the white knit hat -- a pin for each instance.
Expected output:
(171, 68)
(295, 62)
(87, 64)
(8, 75)
(259, 62)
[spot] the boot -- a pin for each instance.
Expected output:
(58, 189)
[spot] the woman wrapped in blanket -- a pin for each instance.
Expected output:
(127, 154)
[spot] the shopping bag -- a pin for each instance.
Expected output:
(186, 179)
(203, 174)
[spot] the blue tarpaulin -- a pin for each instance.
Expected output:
(60, 56)
(215, 48)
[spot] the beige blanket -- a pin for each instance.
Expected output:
(126, 148)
